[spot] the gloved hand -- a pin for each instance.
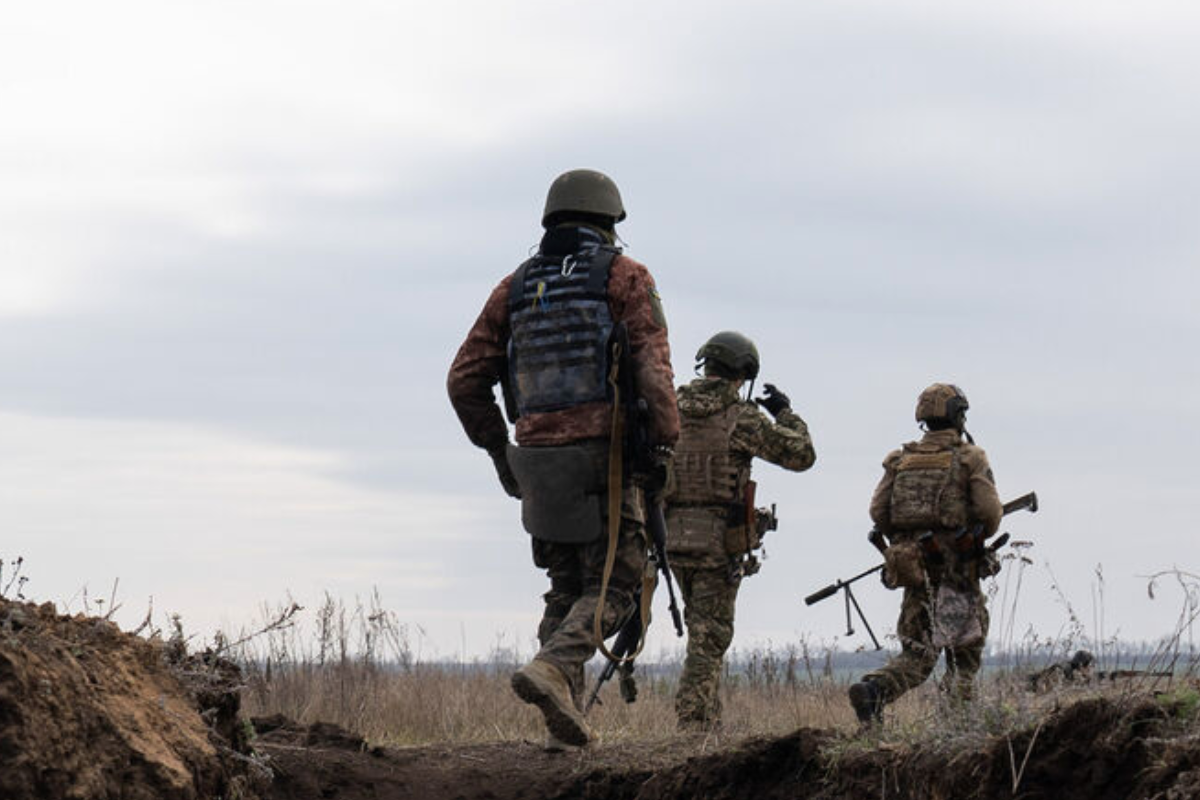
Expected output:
(503, 471)
(774, 401)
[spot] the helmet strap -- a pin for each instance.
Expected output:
(750, 389)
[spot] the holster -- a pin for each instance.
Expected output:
(561, 492)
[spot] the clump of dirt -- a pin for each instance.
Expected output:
(89, 711)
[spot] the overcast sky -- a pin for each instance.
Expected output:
(241, 242)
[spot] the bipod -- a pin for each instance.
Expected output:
(850, 599)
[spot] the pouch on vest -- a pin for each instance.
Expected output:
(695, 532)
(560, 493)
(955, 618)
(903, 566)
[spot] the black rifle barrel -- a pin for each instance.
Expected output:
(657, 526)
(835, 587)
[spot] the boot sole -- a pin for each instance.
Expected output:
(564, 727)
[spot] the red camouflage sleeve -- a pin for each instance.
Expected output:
(477, 368)
(634, 300)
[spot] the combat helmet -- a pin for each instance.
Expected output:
(582, 192)
(732, 354)
(942, 403)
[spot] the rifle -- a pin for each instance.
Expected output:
(971, 541)
(647, 469)
(877, 538)
(1117, 674)
(627, 640)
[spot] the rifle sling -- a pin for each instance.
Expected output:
(615, 493)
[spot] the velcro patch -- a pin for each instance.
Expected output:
(941, 460)
(656, 309)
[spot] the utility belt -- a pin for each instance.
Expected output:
(916, 558)
(909, 560)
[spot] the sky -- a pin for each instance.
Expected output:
(240, 244)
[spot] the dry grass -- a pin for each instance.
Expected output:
(356, 668)
(346, 675)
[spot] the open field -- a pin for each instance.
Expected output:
(89, 711)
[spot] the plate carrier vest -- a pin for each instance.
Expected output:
(929, 492)
(561, 323)
(707, 490)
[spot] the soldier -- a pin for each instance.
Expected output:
(1077, 670)
(931, 491)
(711, 528)
(545, 335)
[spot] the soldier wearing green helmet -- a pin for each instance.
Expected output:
(712, 531)
(546, 334)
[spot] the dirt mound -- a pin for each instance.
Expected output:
(1097, 749)
(88, 711)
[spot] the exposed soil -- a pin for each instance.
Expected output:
(87, 711)
(1093, 750)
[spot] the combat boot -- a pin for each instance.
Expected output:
(544, 685)
(867, 700)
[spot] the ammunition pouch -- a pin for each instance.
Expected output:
(561, 492)
(903, 565)
(696, 534)
(741, 539)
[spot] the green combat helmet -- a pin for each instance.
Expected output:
(942, 403)
(582, 191)
(730, 355)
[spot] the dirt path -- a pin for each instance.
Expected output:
(1094, 750)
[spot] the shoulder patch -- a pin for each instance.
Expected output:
(656, 309)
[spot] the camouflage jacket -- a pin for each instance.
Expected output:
(703, 532)
(784, 442)
(482, 360)
(975, 483)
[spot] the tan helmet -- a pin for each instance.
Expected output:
(941, 402)
(732, 352)
(583, 191)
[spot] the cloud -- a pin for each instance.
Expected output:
(246, 241)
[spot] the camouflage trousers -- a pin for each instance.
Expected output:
(918, 656)
(566, 631)
(709, 599)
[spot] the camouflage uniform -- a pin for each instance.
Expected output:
(705, 564)
(565, 632)
(968, 497)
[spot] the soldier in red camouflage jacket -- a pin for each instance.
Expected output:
(545, 332)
